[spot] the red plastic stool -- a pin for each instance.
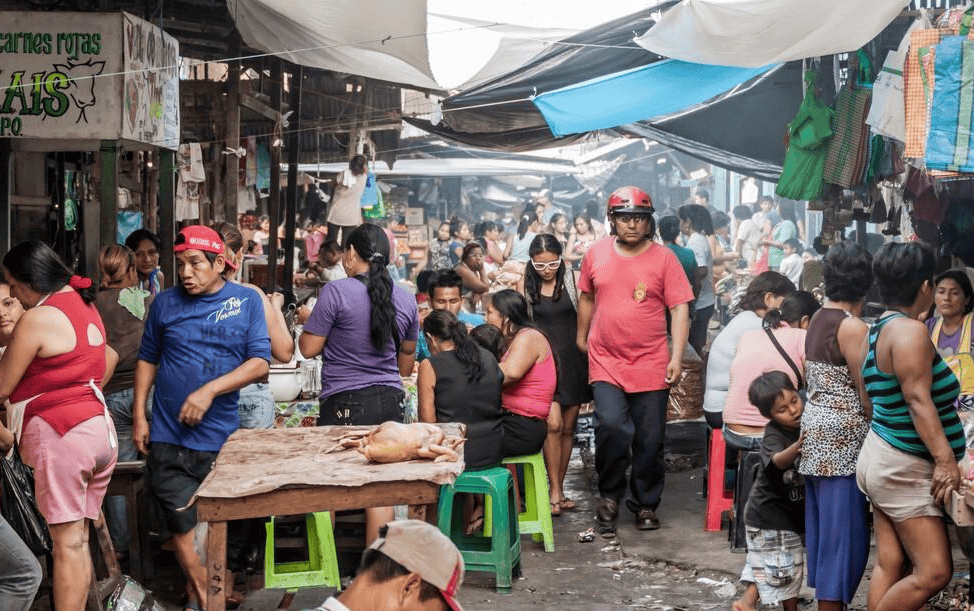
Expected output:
(719, 500)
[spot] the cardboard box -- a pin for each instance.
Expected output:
(415, 216)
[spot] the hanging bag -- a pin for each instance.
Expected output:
(18, 505)
(848, 150)
(950, 138)
(808, 135)
(887, 112)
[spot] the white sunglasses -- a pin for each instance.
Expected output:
(546, 266)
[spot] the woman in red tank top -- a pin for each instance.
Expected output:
(53, 369)
(530, 379)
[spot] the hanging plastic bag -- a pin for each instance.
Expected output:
(950, 137)
(887, 113)
(808, 135)
(370, 195)
(19, 506)
(378, 211)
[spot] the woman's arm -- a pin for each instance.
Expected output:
(311, 345)
(495, 253)
(471, 280)
(406, 357)
(111, 361)
(911, 353)
(525, 351)
(852, 337)
(425, 383)
(24, 346)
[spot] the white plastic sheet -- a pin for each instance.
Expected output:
(752, 33)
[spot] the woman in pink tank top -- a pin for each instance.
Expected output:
(530, 378)
(54, 368)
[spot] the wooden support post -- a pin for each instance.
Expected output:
(216, 567)
(232, 167)
(274, 199)
(291, 206)
(167, 213)
(99, 223)
(6, 164)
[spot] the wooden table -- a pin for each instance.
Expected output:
(261, 473)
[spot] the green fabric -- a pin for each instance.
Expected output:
(785, 230)
(133, 300)
(687, 260)
(808, 133)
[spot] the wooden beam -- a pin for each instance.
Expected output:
(232, 163)
(167, 213)
(274, 199)
(249, 101)
(291, 206)
(317, 498)
(6, 193)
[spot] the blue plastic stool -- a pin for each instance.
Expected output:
(535, 520)
(321, 568)
(500, 552)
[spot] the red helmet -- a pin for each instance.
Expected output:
(630, 200)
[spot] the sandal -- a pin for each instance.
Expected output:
(555, 508)
(567, 503)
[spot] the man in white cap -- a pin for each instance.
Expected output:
(412, 566)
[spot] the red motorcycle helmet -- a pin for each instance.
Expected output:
(630, 200)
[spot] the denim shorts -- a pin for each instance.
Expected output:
(369, 405)
(256, 406)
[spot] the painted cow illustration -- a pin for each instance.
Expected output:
(81, 82)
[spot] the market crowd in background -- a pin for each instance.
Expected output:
(512, 325)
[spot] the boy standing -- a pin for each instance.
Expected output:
(774, 517)
(793, 263)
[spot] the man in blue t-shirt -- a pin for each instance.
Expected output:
(444, 294)
(203, 341)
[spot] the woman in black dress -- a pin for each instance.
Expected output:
(549, 285)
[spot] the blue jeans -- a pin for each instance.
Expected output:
(742, 441)
(256, 406)
(629, 431)
(120, 407)
(20, 572)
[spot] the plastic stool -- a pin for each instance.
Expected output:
(536, 518)
(719, 500)
(500, 553)
(321, 568)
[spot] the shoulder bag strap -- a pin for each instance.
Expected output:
(964, 347)
(791, 363)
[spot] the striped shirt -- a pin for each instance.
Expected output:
(891, 413)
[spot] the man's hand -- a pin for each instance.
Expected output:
(674, 369)
(140, 434)
(582, 344)
(196, 406)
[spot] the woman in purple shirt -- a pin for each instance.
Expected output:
(365, 328)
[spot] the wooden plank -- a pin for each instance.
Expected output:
(249, 101)
(321, 498)
(216, 564)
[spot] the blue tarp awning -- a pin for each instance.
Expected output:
(641, 94)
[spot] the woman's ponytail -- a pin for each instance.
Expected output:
(444, 326)
(372, 245)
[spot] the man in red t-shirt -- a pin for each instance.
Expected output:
(627, 284)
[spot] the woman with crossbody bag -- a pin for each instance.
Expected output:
(779, 346)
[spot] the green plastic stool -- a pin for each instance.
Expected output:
(535, 520)
(321, 568)
(498, 553)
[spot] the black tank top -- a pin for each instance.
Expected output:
(476, 404)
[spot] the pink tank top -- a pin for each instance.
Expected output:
(531, 396)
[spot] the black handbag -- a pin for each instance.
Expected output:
(18, 506)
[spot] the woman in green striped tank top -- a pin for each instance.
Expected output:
(908, 463)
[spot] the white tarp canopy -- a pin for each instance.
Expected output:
(416, 42)
(754, 33)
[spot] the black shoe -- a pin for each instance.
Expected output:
(605, 516)
(646, 520)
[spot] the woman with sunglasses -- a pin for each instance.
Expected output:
(549, 285)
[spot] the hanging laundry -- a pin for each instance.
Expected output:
(263, 165)
(189, 176)
(250, 176)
